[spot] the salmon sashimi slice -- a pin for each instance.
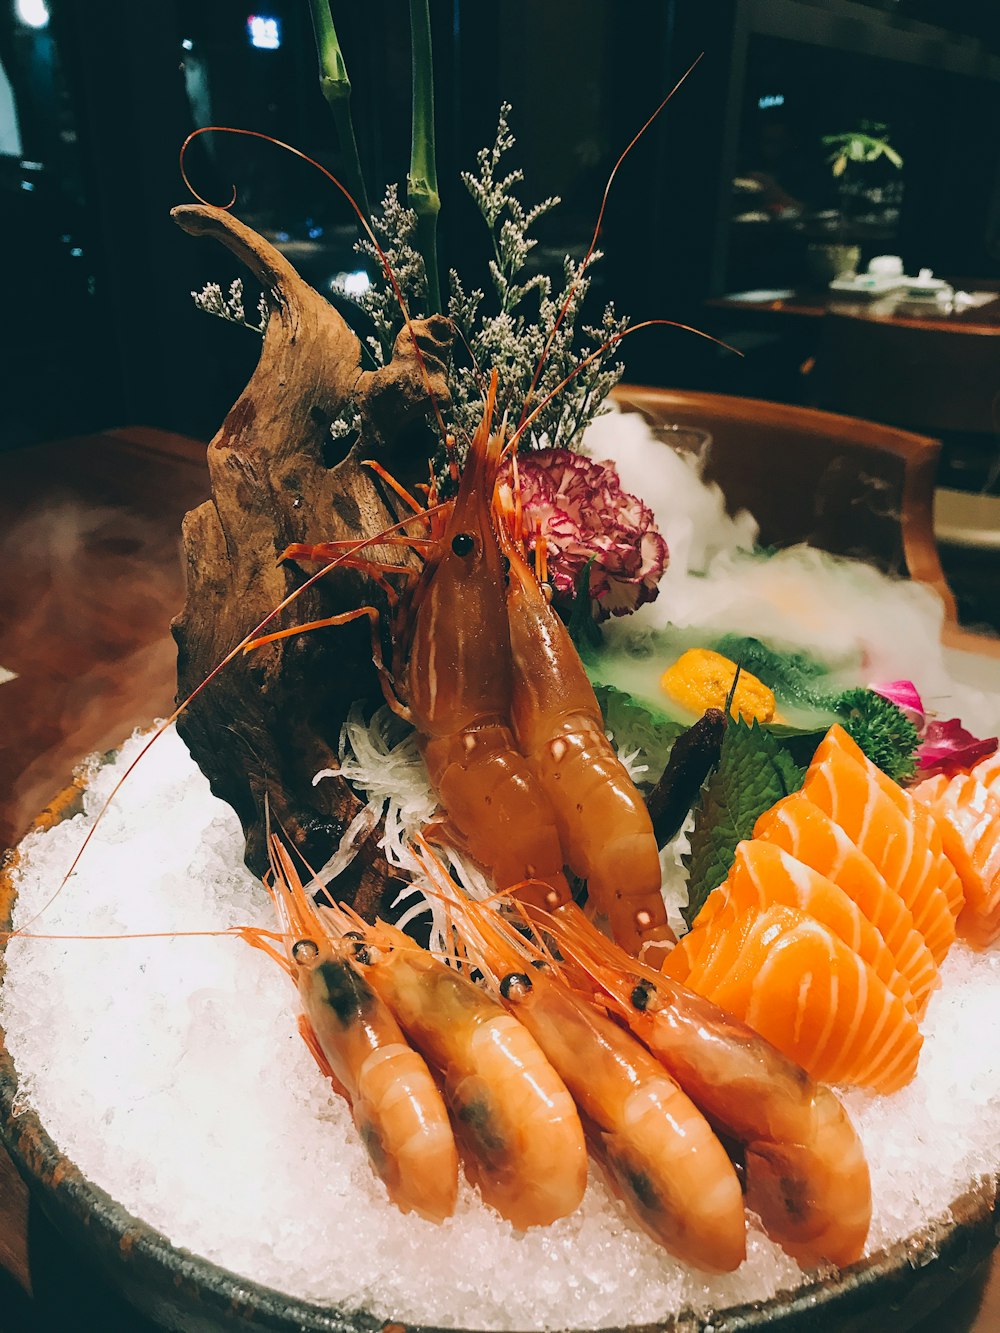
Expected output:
(806, 992)
(764, 874)
(706, 951)
(987, 771)
(841, 787)
(811, 836)
(837, 739)
(968, 815)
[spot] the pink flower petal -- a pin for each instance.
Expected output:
(946, 747)
(903, 693)
(583, 513)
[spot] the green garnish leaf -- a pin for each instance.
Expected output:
(637, 727)
(794, 676)
(753, 773)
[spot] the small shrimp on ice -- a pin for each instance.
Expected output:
(657, 1149)
(397, 1107)
(805, 1170)
(606, 832)
(521, 1138)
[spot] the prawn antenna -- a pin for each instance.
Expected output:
(593, 240)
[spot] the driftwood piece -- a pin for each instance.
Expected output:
(272, 719)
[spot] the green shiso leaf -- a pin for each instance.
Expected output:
(754, 772)
(883, 731)
(636, 727)
(794, 676)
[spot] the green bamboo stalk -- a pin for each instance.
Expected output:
(336, 88)
(421, 183)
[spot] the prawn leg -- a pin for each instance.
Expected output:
(384, 675)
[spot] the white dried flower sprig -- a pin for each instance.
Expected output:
(514, 339)
(511, 339)
(396, 228)
(211, 300)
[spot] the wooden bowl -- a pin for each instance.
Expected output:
(176, 1289)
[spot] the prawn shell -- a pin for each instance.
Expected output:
(657, 1149)
(397, 1107)
(516, 1123)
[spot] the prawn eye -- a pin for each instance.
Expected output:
(642, 994)
(305, 951)
(463, 543)
(515, 985)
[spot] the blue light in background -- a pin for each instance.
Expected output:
(772, 99)
(265, 32)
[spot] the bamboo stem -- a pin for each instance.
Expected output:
(421, 183)
(336, 88)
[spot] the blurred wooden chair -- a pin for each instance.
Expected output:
(846, 486)
(923, 375)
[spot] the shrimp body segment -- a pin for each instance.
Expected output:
(521, 1137)
(606, 832)
(458, 685)
(398, 1110)
(805, 1171)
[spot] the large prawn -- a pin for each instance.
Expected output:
(398, 1110)
(805, 1170)
(455, 682)
(521, 1138)
(605, 829)
(656, 1148)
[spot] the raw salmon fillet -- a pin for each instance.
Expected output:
(798, 985)
(811, 836)
(763, 874)
(926, 827)
(892, 841)
(987, 771)
(968, 815)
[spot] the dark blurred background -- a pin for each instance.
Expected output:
(725, 193)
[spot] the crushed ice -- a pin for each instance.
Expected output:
(170, 1069)
(189, 1044)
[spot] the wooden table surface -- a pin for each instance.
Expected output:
(92, 576)
(894, 308)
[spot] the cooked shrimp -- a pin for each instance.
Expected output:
(805, 1170)
(397, 1107)
(458, 685)
(657, 1149)
(521, 1138)
(606, 832)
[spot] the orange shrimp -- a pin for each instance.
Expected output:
(657, 1150)
(606, 832)
(398, 1110)
(452, 678)
(521, 1138)
(458, 686)
(805, 1170)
